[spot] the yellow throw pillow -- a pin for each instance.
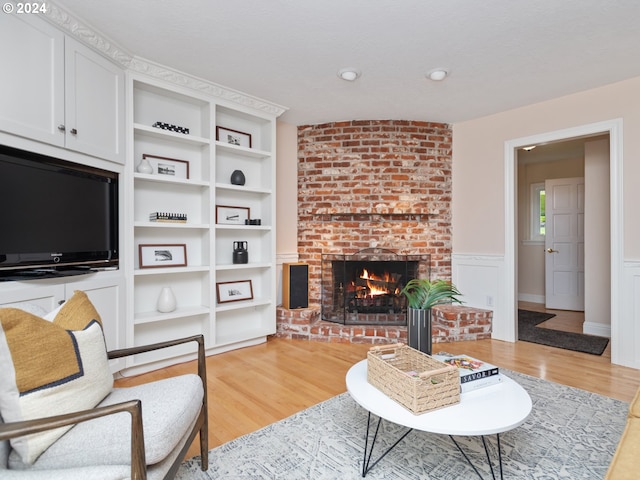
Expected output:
(51, 368)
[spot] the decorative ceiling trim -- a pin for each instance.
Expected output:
(176, 77)
(98, 42)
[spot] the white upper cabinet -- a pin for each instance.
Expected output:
(32, 93)
(59, 91)
(94, 101)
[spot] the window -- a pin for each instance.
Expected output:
(538, 211)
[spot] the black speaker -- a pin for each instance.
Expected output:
(295, 285)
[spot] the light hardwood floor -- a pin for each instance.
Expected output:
(253, 387)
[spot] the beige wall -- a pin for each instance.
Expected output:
(478, 161)
(286, 190)
(597, 248)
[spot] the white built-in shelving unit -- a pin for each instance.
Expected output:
(209, 245)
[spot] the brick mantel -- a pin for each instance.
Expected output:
(374, 183)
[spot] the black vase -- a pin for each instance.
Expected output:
(419, 329)
(237, 177)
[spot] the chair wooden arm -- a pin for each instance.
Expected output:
(202, 371)
(134, 407)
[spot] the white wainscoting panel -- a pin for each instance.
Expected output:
(625, 330)
(481, 280)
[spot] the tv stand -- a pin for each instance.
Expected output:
(40, 273)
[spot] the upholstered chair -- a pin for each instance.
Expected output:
(63, 418)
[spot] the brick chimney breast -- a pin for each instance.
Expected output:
(382, 182)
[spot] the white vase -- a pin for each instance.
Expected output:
(166, 300)
(144, 166)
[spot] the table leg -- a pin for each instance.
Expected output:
(486, 451)
(367, 455)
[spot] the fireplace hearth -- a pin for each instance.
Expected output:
(364, 288)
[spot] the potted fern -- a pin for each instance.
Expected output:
(422, 294)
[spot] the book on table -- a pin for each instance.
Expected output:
(474, 373)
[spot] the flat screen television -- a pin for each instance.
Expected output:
(57, 216)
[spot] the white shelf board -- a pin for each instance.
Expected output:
(249, 152)
(256, 302)
(242, 189)
(242, 266)
(170, 270)
(151, 317)
(140, 129)
(170, 225)
(148, 177)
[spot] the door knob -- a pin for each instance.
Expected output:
(551, 250)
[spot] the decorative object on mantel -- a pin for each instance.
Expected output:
(253, 221)
(171, 127)
(422, 294)
(166, 300)
(233, 137)
(171, 167)
(167, 217)
(144, 166)
(240, 252)
(237, 178)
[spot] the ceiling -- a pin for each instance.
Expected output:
(500, 54)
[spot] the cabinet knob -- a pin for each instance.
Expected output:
(74, 131)
(61, 128)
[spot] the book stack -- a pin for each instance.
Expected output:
(474, 373)
(168, 217)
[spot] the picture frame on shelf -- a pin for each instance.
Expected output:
(171, 167)
(234, 291)
(229, 215)
(162, 255)
(233, 137)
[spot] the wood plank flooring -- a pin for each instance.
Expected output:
(253, 387)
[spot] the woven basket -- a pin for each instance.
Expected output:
(412, 378)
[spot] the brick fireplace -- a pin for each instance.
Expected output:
(370, 184)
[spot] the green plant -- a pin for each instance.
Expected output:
(422, 294)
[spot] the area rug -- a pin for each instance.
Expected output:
(570, 434)
(578, 342)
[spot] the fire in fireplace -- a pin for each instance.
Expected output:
(364, 288)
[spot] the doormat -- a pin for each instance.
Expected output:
(578, 342)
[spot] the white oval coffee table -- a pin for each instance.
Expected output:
(486, 411)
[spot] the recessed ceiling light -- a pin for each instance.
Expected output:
(437, 74)
(348, 74)
(529, 148)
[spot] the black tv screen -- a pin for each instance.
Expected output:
(56, 213)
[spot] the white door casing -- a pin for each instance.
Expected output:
(564, 244)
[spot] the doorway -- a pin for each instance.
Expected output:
(614, 130)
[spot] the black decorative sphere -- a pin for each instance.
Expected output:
(237, 177)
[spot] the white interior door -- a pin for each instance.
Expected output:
(564, 244)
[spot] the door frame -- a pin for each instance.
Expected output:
(614, 129)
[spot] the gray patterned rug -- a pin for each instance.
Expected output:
(570, 434)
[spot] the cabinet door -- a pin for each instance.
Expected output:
(32, 93)
(94, 114)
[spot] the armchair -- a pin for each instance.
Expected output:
(140, 432)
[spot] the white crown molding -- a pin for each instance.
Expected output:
(87, 35)
(155, 70)
(78, 29)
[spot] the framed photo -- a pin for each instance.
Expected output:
(171, 167)
(162, 255)
(234, 291)
(227, 215)
(234, 137)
